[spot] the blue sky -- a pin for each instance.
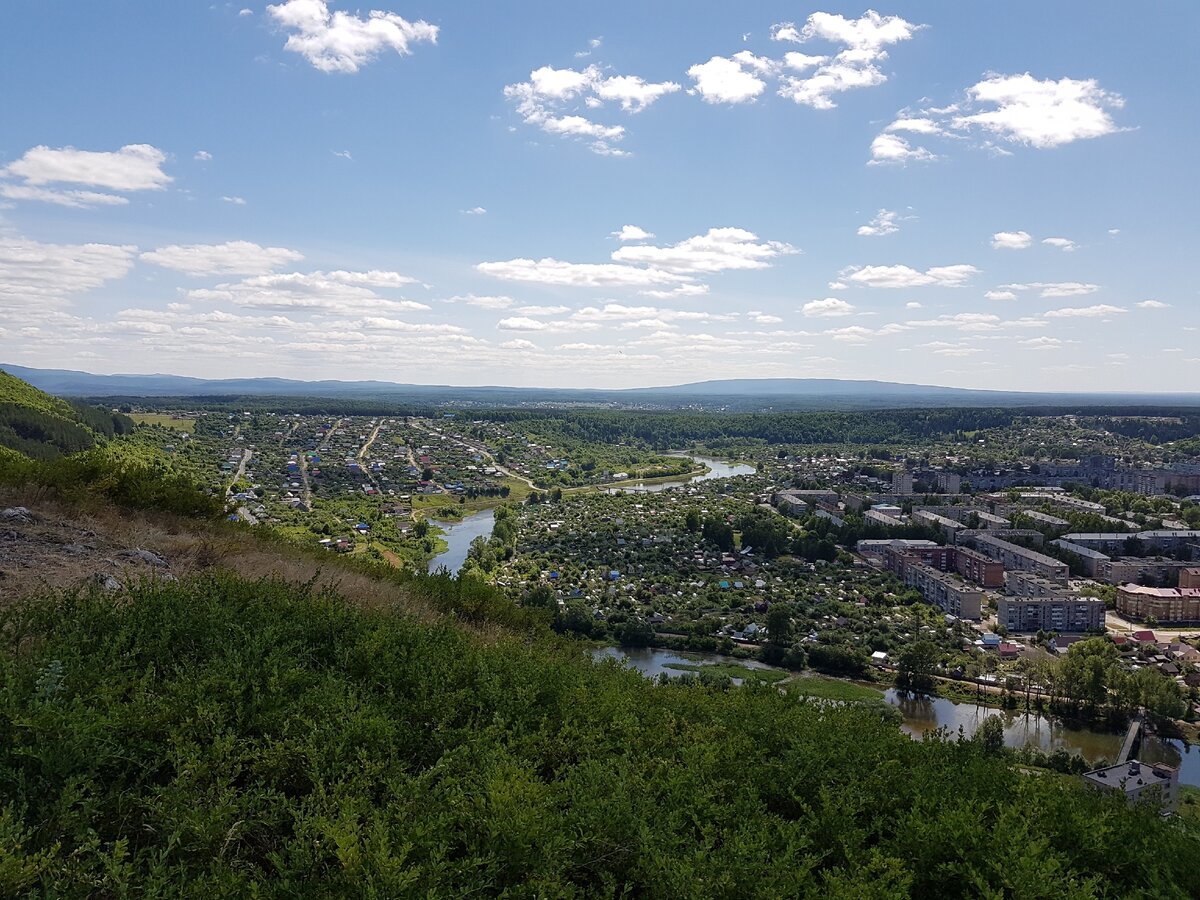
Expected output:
(626, 194)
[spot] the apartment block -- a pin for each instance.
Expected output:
(1136, 601)
(976, 567)
(1157, 572)
(1062, 614)
(944, 591)
(1019, 559)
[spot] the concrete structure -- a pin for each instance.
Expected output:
(797, 502)
(902, 483)
(949, 527)
(1161, 541)
(875, 517)
(948, 482)
(900, 555)
(1156, 571)
(1070, 614)
(944, 590)
(992, 522)
(974, 566)
(1042, 518)
(1189, 578)
(1091, 558)
(1165, 604)
(1139, 782)
(1019, 559)
(1027, 584)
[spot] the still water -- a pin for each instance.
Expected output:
(922, 715)
(458, 537)
(717, 468)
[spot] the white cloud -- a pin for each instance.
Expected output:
(632, 233)
(1054, 289)
(558, 272)
(1041, 114)
(76, 199)
(33, 273)
(236, 201)
(916, 125)
(1000, 295)
(474, 211)
(486, 302)
(907, 277)
(202, 156)
(1084, 312)
(891, 149)
(521, 323)
(913, 304)
(344, 154)
(1064, 244)
(341, 42)
(519, 344)
(1042, 343)
(1011, 240)
(135, 167)
(230, 258)
(715, 251)
(726, 80)
(1152, 304)
(830, 306)
(542, 310)
(337, 292)
(864, 40)
(546, 102)
(884, 223)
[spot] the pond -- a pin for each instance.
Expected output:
(717, 468)
(922, 714)
(458, 537)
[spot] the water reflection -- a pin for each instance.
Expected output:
(717, 468)
(458, 537)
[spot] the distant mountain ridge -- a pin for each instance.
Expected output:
(742, 394)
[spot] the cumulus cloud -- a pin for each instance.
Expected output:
(1152, 304)
(1054, 289)
(230, 258)
(885, 222)
(33, 273)
(337, 292)
(891, 149)
(474, 211)
(830, 306)
(1042, 343)
(1064, 244)
(724, 79)
(632, 233)
(908, 277)
(1011, 240)
(864, 41)
(550, 101)
(1000, 295)
(521, 323)
(663, 270)
(519, 344)
(42, 170)
(236, 201)
(202, 156)
(1083, 312)
(1041, 113)
(341, 42)
(715, 251)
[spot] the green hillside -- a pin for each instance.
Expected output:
(220, 737)
(41, 426)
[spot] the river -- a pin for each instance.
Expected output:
(458, 537)
(717, 468)
(922, 715)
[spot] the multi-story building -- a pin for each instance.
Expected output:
(1020, 559)
(1136, 601)
(1027, 584)
(1062, 614)
(949, 527)
(902, 483)
(944, 590)
(974, 566)
(901, 554)
(1189, 578)
(1042, 518)
(877, 517)
(1155, 571)
(1091, 558)
(948, 482)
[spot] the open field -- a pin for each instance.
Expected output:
(166, 420)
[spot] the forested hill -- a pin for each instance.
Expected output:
(751, 394)
(38, 425)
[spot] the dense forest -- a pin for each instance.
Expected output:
(233, 738)
(40, 426)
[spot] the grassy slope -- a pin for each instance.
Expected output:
(226, 737)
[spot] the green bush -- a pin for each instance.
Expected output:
(221, 737)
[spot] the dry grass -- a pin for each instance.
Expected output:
(68, 546)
